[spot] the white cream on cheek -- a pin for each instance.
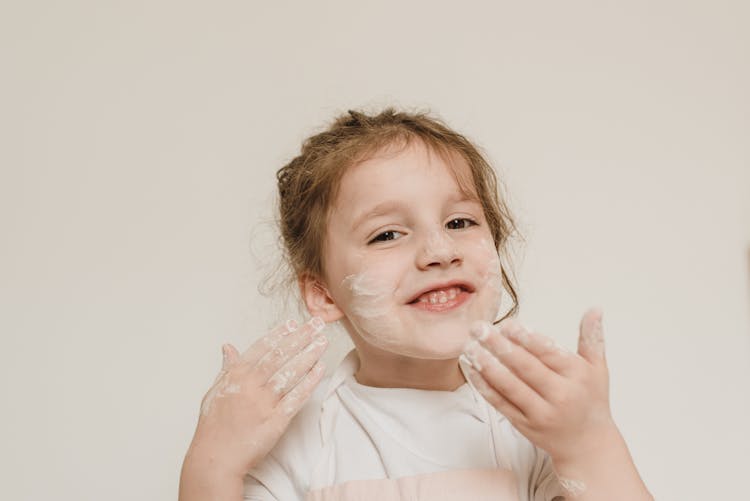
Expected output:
(374, 313)
(371, 309)
(492, 280)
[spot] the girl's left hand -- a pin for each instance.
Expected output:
(557, 399)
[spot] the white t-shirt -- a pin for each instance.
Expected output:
(356, 442)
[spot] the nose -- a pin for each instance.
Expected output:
(438, 250)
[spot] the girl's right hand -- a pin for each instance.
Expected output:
(255, 396)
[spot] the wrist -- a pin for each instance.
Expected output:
(203, 477)
(203, 460)
(602, 469)
(591, 446)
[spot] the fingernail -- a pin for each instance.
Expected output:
(594, 336)
(507, 327)
(471, 350)
(551, 344)
(291, 326)
(517, 333)
(318, 341)
(480, 330)
(224, 356)
(503, 345)
(599, 334)
(317, 323)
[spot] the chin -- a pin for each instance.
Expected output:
(441, 345)
(439, 338)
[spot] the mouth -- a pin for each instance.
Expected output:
(442, 297)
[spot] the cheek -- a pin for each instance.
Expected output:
(368, 295)
(491, 282)
(370, 305)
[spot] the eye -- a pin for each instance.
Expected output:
(460, 223)
(386, 236)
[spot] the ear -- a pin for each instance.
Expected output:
(317, 299)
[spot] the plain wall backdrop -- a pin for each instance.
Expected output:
(139, 146)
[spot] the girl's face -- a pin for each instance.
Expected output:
(409, 258)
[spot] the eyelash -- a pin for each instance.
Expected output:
(470, 221)
(380, 237)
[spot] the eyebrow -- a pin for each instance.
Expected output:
(381, 209)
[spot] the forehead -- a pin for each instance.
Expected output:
(413, 170)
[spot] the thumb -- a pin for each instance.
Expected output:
(591, 336)
(230, 356)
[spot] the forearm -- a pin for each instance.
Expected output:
(202, 480)
(605, 471)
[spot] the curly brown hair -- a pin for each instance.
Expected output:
(308, 184)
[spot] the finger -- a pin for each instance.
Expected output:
(544, 348)
(503, 405)
(291, 372)
(230, 356)
(270, 341)
(591, 337)
(296, 398)
(515, 357)
(505, 382)
(288, 348)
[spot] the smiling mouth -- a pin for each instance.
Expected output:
(442, 299)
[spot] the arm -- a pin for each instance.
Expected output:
(202, 479)
(207, 481)
(560, 401)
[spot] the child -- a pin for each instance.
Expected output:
(394, 228)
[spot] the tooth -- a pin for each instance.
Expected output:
(452, 294)
(422, 299)
(442, 297)
(433, 298)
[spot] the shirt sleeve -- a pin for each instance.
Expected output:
(268, 481)
(255, 491)
(284, 474)
(546, 487)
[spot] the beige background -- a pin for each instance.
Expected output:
(139, 145)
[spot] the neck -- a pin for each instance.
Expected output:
(384, 369)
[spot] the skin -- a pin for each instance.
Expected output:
(375, 263)
(558, 399)
(429, 233)
(248, 408)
